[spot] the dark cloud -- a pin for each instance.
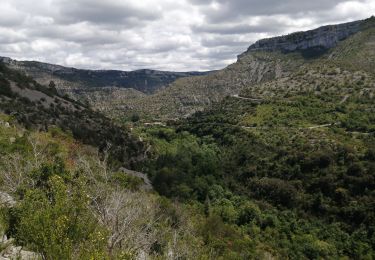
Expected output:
(262, 25)
(106, 12)
(224, 40)
(231, 9)
(228, 29)
(83, 33)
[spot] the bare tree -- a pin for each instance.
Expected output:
(130, 217)
(38, 150)
(134, 219)
(183, 242)
(16, 169)
(15, 172)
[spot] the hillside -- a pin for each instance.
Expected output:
(289, 162)
(39, 107)
(66, 192)
(288, 159)
(60, 200)
(77, 81)
(272, 157)
(345, 47)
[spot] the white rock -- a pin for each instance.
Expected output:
(6, 199)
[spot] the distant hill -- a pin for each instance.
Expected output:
(39, 107)
(72, 80)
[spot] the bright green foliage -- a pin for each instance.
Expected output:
(187, 168)
(68, 204)
(126, 181)
(54, 220)
(293, 175)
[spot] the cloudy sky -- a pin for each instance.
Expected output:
(176, 35)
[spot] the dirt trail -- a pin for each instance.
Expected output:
(285, 127)
(319, 126)
(246, 98)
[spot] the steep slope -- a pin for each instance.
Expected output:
(357, 52)
(185, 96)
(265, 61)
(60, 200)
(290, 161)
(307, 157)
(73, 81)
(36, 106)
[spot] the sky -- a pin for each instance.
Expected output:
(175, 35)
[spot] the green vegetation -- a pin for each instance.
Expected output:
(48, 108)
(250, 180)
(69, 204)
(284, 170)
(293, 178)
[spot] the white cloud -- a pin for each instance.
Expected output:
(354, 10)
(159, 34)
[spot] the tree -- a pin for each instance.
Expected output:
(130, 217)
(52, 87)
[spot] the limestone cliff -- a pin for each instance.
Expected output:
(324, 37)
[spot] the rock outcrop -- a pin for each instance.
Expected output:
(6, 199)
(9, 251)
(325, 37)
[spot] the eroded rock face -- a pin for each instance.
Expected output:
(325, 37)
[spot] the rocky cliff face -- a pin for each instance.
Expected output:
(324, 38)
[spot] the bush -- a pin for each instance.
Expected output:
(276, 191)
(57, 223)
(135, 118)
(5, 88)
